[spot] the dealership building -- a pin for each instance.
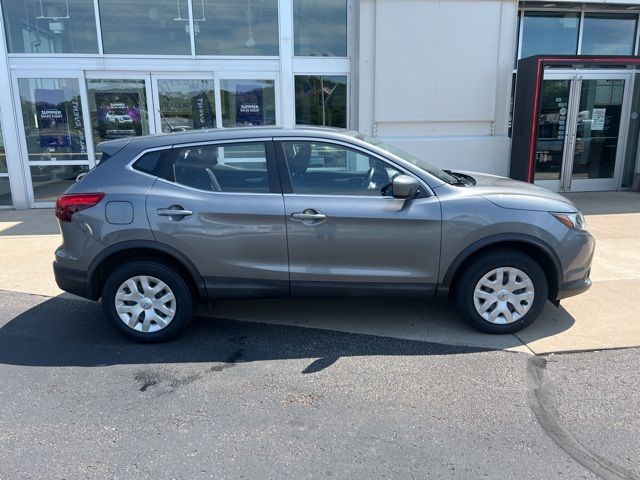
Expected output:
(542, 91)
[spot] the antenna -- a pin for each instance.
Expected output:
(171, 129)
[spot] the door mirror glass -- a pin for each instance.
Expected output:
(405, 186)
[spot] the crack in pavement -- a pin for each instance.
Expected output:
(541, 395)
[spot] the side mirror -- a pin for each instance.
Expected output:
(404, 186)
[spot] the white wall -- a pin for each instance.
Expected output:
(439, 82)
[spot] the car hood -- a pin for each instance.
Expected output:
(513, 194)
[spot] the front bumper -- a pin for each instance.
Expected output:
(72, 281)
(575, 287)
(576, 276)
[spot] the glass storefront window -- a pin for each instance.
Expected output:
(608, 34)
(248, 103)
(233, 27)
(52, 115)
(552, 121)
(631, 153)
(321, 100)
(49, 181)
(549, 33)
(5, 191)
(160, 27)
(3, 156)
(320, 28)
(50, 26)
(186, 104)
(118, 109)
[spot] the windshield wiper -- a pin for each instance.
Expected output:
(460, 180)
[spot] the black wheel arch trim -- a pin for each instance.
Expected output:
(465, 254)
(147, 245)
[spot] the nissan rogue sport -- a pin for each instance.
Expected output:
(164, 222)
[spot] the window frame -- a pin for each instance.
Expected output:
(348, 97)
(285, 175)
(349, 34)
(169, 159)
(582, 12)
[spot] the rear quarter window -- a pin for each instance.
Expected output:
(151, 162)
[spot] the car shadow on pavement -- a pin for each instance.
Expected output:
(65, 332)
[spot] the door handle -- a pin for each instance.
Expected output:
(309, 215)
(174, 212)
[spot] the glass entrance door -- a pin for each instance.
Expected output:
(582, 126)
(54, 139)
(184, 102)
(119, 106)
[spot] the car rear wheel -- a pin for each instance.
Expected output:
(502, 292)
(147, 301)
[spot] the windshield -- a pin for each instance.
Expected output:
(418, 162)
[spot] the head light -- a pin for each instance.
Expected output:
(572, 220)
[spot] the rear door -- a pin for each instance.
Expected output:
(220, 204)
(346, 234)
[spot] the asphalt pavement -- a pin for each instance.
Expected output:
(232, 399)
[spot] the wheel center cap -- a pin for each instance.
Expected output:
(146, 303)
(503, 295)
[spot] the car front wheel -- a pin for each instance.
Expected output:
(502, 292)
(147, 301)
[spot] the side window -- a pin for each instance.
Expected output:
(230, 167)
(150, 162)
(328, 169)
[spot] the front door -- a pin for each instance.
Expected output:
(582, 126)
(346, 233)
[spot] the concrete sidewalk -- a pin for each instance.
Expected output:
(608, 316)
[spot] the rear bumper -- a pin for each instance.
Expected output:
(72, 281)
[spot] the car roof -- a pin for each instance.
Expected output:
(215, 134)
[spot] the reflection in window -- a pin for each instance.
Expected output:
(248, 102)
(3, 156)
(5, 191)
(186, 104)
(327, 169)
(52, 115)
(118, 109)
(239, 168)
(49, 181)
(236, 27)
(549, 33)
(160, 27)
(320, 28)
(608, 34)
(321, 100)
(50, 26)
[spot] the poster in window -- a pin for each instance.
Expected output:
(249, 105)
(202, 111)
(597, 118)
(53, 122)
(118, 114)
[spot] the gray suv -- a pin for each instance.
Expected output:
(167, 221)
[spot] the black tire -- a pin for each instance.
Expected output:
(485, 264)
(184, 302)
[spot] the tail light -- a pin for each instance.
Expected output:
(70, 203)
